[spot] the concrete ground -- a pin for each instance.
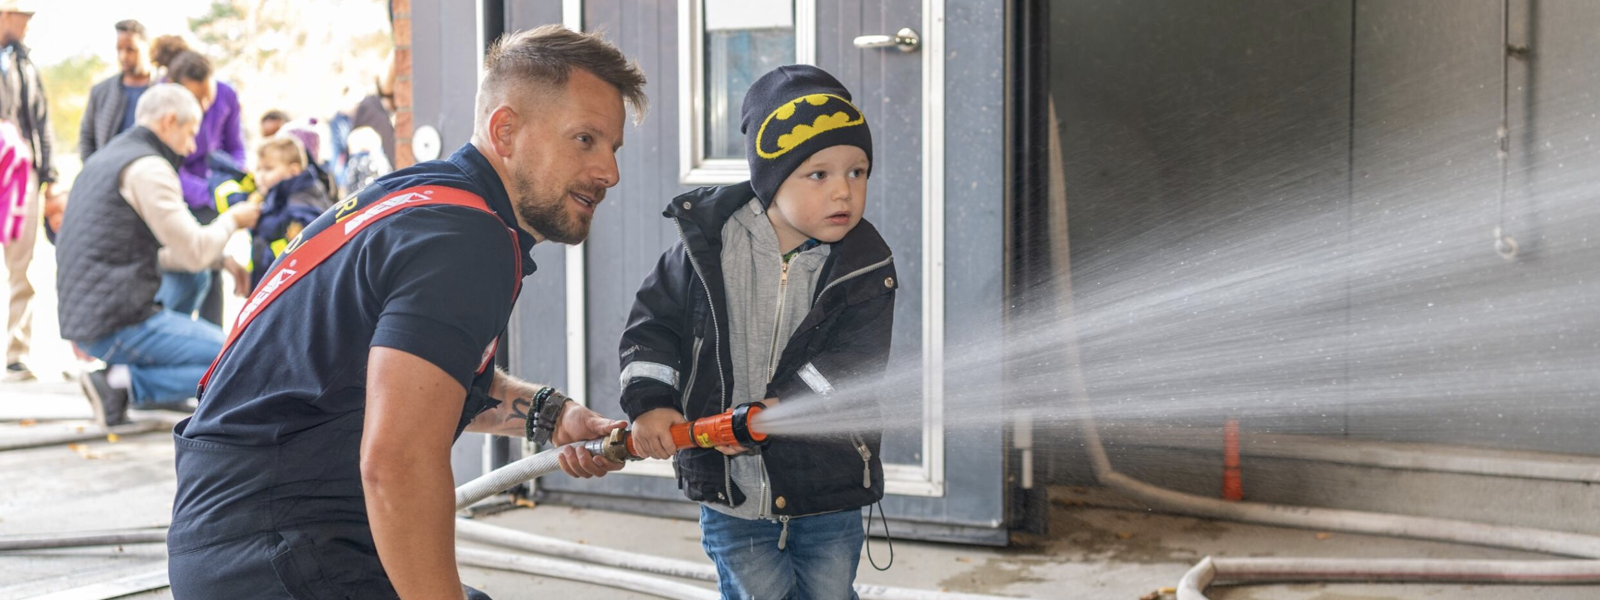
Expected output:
(1096, 551)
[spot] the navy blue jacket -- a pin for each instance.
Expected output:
(680, 322)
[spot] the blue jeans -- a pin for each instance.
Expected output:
(182, 292)
(166, 355)
(818, 561)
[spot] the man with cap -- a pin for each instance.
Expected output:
(23, 104)
(777, 291)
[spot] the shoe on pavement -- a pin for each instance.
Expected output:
(110, 404)
(18, 372)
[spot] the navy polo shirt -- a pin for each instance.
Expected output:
(434, 281)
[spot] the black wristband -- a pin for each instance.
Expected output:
(541, 425)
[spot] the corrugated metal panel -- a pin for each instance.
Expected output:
(1428, 104)
(1362, 127)
(1189, 130)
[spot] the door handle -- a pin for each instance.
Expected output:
(906, 40)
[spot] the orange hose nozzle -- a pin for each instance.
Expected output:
(726, 429)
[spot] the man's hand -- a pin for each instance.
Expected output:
(245, 214)
(241, 276)
(652, 433)
(737, 449)
(55, 205)
(576, 424)
(573, 424)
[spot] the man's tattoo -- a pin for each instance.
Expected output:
(519, 409)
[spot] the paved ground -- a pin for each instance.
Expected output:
(1097, 552)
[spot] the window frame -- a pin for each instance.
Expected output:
(694, 167)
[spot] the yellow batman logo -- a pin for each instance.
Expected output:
(812, 115)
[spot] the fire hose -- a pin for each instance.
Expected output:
(729, 428)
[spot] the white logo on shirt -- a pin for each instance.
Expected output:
(276, 282)
(371, 213)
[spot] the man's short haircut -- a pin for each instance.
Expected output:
(166, 99)
(274, 115)
(286, 150)
(131, 26)
(189, 65)
(544, 57)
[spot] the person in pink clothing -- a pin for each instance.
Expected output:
(22, 103)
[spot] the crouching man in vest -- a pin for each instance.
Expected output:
(126, 223)
(318, 463)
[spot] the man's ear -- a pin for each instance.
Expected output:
(504, 123)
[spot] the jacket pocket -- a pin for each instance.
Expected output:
(702, 475)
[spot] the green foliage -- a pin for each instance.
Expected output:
(299, 57)
(225, 27)
(66, 85)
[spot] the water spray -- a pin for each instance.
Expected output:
(727, 429)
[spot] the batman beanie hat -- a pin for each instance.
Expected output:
(790, 114)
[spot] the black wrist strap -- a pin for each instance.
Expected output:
(541, 425)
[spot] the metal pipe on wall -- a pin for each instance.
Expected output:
(1519, 538)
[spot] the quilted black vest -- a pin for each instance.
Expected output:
(106, 273)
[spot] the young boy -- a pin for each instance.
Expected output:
(293, 192)
(777, 291)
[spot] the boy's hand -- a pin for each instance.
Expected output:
(736, 449)
(652, 433)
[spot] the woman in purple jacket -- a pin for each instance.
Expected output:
(219, 127)
(219, 131)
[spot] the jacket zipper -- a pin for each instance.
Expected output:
(777, 326)
(866, 461)
(727, 467)
(783, 538)
(772, 363)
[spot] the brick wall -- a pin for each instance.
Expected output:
(403, 117)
